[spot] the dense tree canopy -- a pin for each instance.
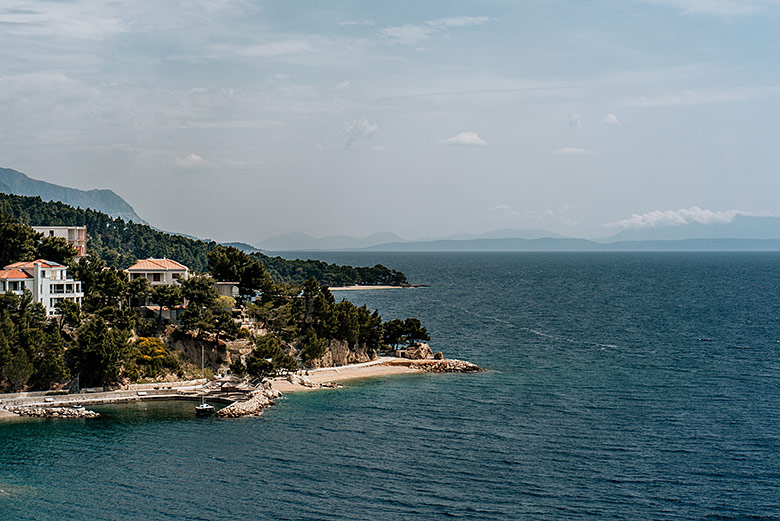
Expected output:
(19, 242)
(298, 318)
(229, 264)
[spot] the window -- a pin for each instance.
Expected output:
(176, 276)
(156, 277)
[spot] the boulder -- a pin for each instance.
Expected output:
(340, 353)
(419, 351)
(300, 380)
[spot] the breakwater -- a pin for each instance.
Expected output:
(52, 412)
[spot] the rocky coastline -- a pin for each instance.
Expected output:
(253, 405)
(37, 411)
(446, 365)
(249, 400)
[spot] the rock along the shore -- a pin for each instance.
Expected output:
(447, 365)
(257, 401)
(38, 411)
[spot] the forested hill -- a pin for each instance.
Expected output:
(121, 243)
(106, 201)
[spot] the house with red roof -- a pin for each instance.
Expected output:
(47, 281)
(158, 271)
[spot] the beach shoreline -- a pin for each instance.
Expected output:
(335, 375)
(310, 380)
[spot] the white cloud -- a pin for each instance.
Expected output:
(573, 151)
(71, 20)
(408, 34)
(416, 33)
(693, 214)
(548, 215)
(188, 161)
(724, 8)
(241, 164)
(347, 23)
(216, 124)
(344, 86)
(358, 129)
(265, 50)
(378, 148)
(575, 120)
(465, 139)
(459, 21)
(610, 119)
(685, 98)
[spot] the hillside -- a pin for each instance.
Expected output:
(106, 201)
(121, 243)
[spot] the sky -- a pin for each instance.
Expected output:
(242, 120)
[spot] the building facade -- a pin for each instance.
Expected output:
(158, 272)
(47, 281)
(75, 235)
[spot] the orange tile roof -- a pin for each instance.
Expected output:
(157, 264)
(31, 264)
(14, 274)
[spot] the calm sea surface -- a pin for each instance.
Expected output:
(619, 386)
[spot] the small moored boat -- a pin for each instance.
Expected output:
(204, 409)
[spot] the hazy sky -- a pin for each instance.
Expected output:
(242, 120)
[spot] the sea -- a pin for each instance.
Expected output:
(616, 386)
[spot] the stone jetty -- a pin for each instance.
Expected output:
(52, 412)
(254, 404)
(447, 365)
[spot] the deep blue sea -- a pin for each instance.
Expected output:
(618, 386)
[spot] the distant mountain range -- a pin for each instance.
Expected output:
(246, 248)
(502, 233)
(106, 201)
(554, 244)
(382, 240)
(302, 241)
(744, 233)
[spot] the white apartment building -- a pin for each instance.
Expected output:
(47, 281)
(158, 272)
(75, 235)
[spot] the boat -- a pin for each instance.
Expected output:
(204, 409)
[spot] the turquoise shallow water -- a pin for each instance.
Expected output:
(619, 386)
